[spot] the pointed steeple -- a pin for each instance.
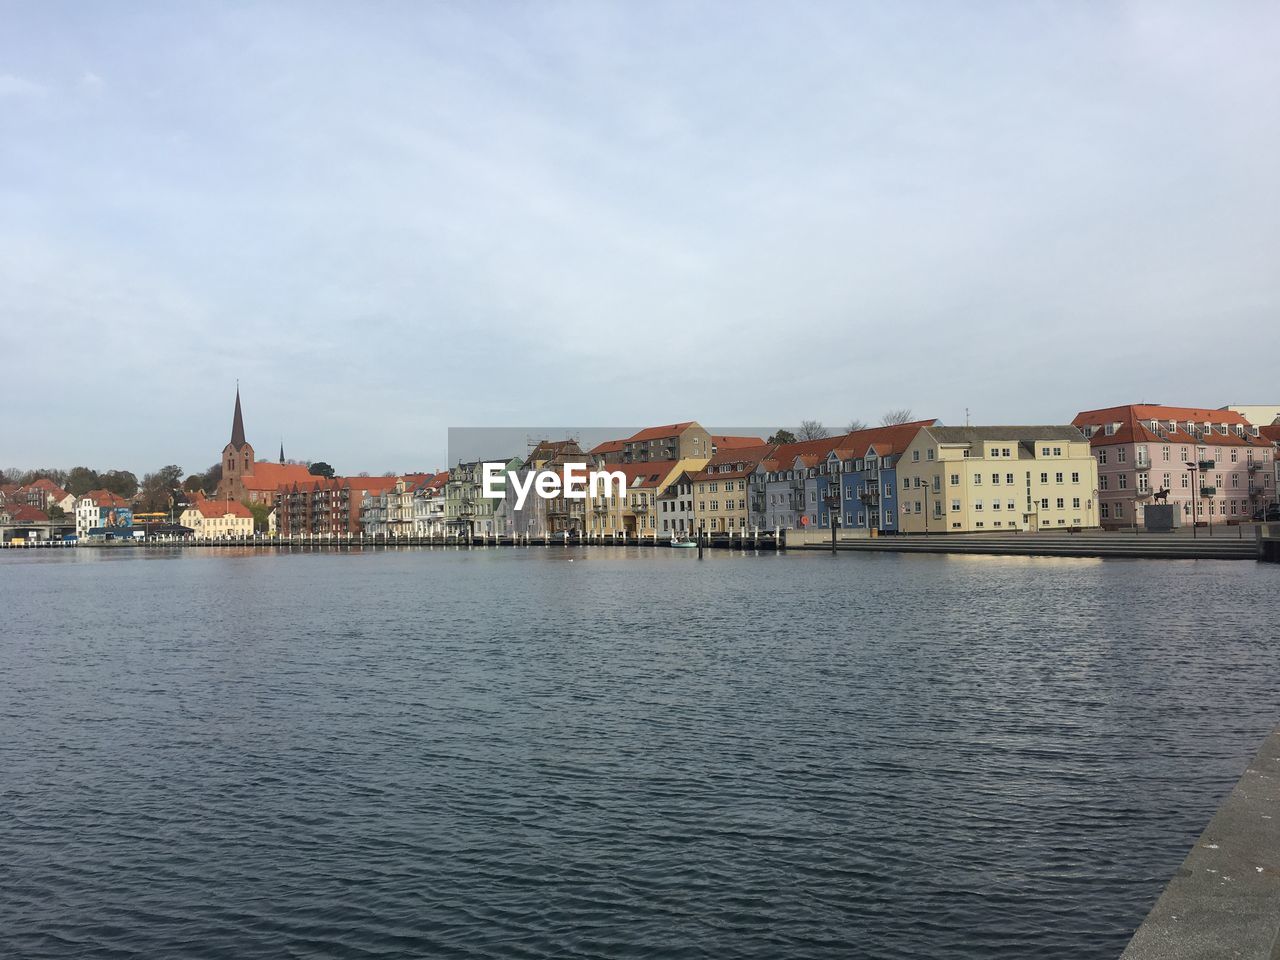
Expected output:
(282, 451)
(237, 423)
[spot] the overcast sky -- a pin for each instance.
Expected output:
(387, 219)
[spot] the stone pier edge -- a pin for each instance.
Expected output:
(1224, 901)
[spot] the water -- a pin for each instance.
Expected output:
(500, 753)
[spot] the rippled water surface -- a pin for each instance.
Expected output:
(502, 753)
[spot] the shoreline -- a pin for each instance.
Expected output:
(1262, 545)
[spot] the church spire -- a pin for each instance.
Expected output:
(237, 423)
(282, 451)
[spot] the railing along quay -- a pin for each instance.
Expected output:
(1262, 544)
(746, 541)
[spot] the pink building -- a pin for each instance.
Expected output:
(1214, 464)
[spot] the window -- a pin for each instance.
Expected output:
(1057, 478)
(1008, 478)
(977, 479)
(1102, 456)
(1123, 481)
(1044, 503)
(1121, 454)
(1075, 477)
(1061, 503)
(1044, 478)
(915, 456)
(1104, 510)
(930, 453)
(955, 506)
(977, 506)
(995, 479)
(955, 479)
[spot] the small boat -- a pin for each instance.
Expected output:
(683, 542)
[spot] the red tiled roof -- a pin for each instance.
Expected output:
(105, 498)
(1134, 422)
(656, 433)
(725, 475)
(755, 452)
(269, 476)
(48, 486)
(886, 440)
(25, 513)
(220, 508)
(1271, 432)
(609, 446)
(735, 443)
(642, 475)
(437, 481)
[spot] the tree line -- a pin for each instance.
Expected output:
(814, 430)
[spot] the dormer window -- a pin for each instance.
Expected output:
(1110, 430)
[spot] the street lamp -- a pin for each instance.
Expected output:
(1193, 469)
(832, 501)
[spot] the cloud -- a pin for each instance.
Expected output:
(13, 86)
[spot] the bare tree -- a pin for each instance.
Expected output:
(812, 430)
(855, 425)
(901, 415)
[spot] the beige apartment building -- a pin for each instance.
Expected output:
(997, 479)
(722, 491)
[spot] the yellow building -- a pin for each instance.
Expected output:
(215, 519)
(997, 479)
(721, 492)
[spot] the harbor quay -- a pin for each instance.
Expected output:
(1224, 900)
(1241, 542)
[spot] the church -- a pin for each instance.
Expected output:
(253, 481)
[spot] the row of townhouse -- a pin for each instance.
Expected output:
(413, 507)
(914, 477)
(917, 477)
(330, 506)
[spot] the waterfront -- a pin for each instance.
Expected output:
(500, 753)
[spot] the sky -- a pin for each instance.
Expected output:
(387, 219)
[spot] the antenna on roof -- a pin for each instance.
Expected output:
(966, 416)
